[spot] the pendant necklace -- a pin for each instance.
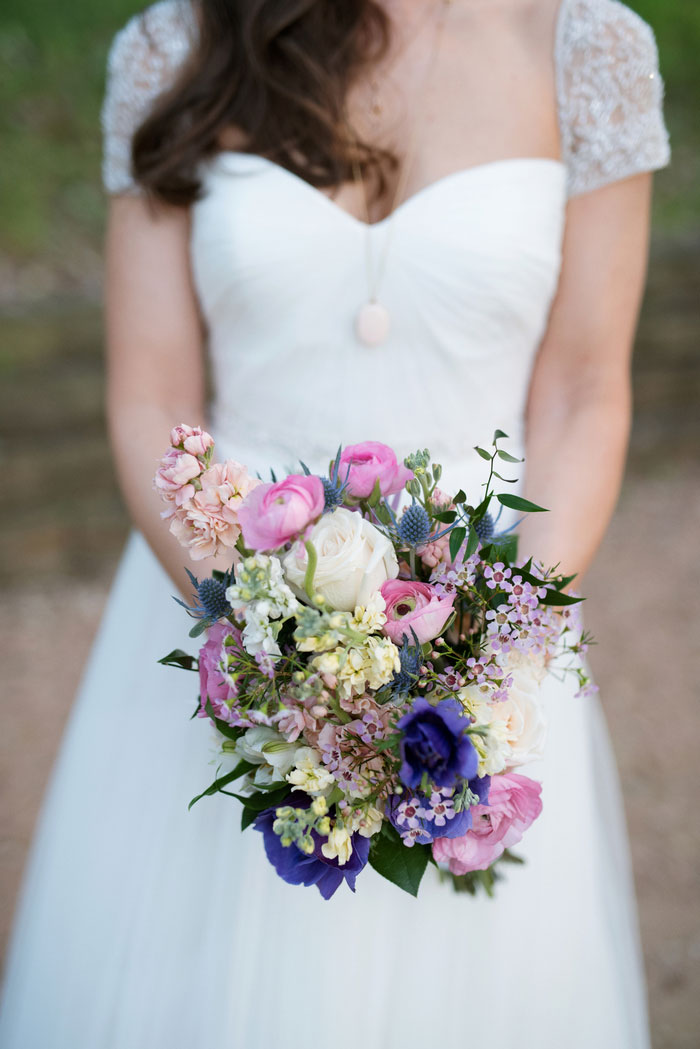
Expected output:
(373, 321)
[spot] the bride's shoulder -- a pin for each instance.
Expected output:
(161, 35)
(144, 59)
(610, 93)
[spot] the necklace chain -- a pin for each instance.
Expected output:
(374, 277)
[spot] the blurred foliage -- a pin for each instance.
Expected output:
(52, 63)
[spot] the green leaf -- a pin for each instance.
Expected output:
(498, 434)
(446, 516)
(268, 800)
(459, 498)
(247, 817)
(178, 658)
(481, 508)
(472, 543)
(397, 863)
(456, 539)
(556, 597)
(199, 627)
(222, 781)
(516, 502)
(508, 480)
(226, 730)
(507, 457)
(483, 453)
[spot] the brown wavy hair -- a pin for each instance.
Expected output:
(277, 70)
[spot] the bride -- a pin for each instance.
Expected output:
(411, 221)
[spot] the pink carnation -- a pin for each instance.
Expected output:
(276, 513)
(413, 606)
(208, 521)
(368, 463)
(514, 804)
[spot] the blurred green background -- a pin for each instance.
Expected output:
(62, 523)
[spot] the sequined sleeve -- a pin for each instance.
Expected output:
(143, 61)
(610, 94)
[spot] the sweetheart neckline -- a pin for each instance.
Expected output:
(405, 204)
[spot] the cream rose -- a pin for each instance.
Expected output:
(354, 559)
(525, 723)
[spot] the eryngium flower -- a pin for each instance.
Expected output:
(414, 525)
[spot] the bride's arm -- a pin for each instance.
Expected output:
(579, 405)
(155, 362)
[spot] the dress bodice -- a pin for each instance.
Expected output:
(279, 269)
(471, 272)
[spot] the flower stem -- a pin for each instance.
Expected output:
(310, 568)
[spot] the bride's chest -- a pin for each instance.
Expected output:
(261, 235)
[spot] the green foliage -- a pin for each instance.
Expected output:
(397, 862)
(178, 658)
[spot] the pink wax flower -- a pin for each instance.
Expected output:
(514, 804)
(212, 683)
(370, 462)
(192, 439)
(274, 514)
(208, 521)
(174, 476)
(413, 605)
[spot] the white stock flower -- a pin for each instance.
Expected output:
(339, 845)
(354, 559)
(366, 821)
(309, 774)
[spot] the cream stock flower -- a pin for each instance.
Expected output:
(309, 774)
(339, 845)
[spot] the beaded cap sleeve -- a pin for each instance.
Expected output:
(143, 61)
(610, 94)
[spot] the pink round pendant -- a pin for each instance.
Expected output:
(372, 324)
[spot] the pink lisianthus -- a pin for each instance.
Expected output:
(514, 804)
(368, 463)
(413, 606)
(274, 514)
(212, 683)
(191, 439)
(208, 521)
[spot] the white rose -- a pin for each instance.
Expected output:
(354, 559)
(525, 722)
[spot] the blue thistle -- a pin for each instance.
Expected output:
(414, 526)
(485, 528)
(333, 493)
(404, 680)
(209, 598)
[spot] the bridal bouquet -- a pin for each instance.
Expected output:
(371, 662)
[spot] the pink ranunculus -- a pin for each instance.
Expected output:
(208, 521)
(413, 605)
(174, 476)
(514, 803)
(212, 683)
(274, 514)
(368, 463)
(192, 439)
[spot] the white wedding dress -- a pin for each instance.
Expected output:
(144, 926)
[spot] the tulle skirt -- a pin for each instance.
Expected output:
(141, 924)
